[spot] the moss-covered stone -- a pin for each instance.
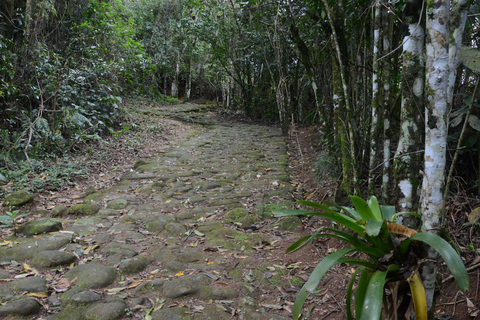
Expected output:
(18, 198)
(174, 229)
(92, 275)
(149, 286)
(59, 210)
(84, 209)
(27, 248)
(217, 293)
(117, 204)
(40, 226)
(240, 216)
(89, 190)
(53, 258)
(172, 314)
(93, 197)
(292, 224)
(23, 306)
(134, 265)
(185, 285)
(110, 310)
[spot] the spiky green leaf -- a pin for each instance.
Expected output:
(449, 255)
(337, 217)
(372, 304)
(363, 208)
(315, 278)
(373, 227)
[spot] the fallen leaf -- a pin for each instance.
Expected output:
(210, 263)
(179, 274)
(26, 267)
(474, 216)
(115, 290)
(135, 284)
(38, 294)
(25, 275)
(198, 233)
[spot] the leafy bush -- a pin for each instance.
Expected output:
(390, 259)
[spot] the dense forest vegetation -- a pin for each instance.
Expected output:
(391, 84)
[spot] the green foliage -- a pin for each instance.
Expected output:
(389, 251)
(48, 175)
(9, 220)
(326, 168)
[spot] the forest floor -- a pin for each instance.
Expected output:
(184, 229)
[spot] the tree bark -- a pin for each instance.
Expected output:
(407, 158)
(436, 130)
(387, 21)
(346, 98)
(374, 132)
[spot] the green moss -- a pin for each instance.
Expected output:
(86, 209)
(93, 197)
(241, 216)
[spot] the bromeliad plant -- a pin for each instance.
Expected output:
(388, 261)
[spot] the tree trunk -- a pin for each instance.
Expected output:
(387, 21)
(407, 159)
(346, 97)
(436, 130)
(458, 19)
(374, 132)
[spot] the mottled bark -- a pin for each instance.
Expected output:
(458, 18)
(407, 158)
(387, 21)
(436, 113)
(374, 127)
(175, 81)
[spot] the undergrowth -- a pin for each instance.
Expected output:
(40, 176)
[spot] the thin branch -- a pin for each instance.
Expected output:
(459, 142)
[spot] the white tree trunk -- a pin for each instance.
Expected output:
(175, 81)
(457, 26)
(406, 168)
(436, 130)
(374, 134)
(388, 35)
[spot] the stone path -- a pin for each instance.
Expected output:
(186, 235)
